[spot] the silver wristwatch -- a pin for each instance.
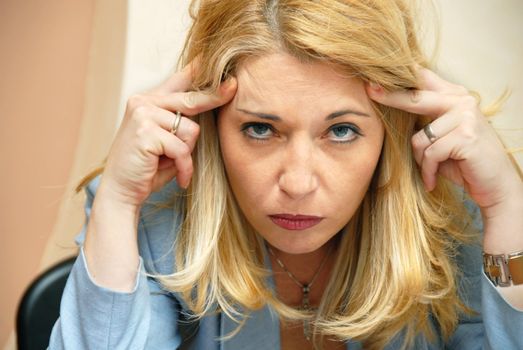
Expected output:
(504, 270)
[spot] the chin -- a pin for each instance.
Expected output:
(295, 246)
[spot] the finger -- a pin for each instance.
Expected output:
(422, 102)
(165, 162)
(162, 177)
(429, 80)
(440, 127)
(179, 152)
(439, 152)
(179, 81)
(187, 131)
(194, 102)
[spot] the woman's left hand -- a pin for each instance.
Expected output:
(465, 150)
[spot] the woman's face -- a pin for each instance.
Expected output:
(298, 139)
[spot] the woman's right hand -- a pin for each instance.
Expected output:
(145, 155)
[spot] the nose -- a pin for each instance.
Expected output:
(298, 177)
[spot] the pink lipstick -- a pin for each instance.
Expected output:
(295, 222)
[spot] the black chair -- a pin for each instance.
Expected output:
(39, 307)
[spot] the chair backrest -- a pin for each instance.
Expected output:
(39, 307)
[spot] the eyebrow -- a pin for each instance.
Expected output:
(331, 116)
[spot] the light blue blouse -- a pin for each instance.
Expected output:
(94, 317)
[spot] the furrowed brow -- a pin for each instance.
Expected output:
(276, 118)
(266, 116)
(344, 112)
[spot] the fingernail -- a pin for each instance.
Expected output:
(428, 187)
(187, 183)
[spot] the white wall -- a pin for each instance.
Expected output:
(155, 35)
(482, 47)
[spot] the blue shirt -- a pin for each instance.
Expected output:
(94, 317)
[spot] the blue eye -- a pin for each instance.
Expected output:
(261, 132)
(257, 131)
(346, 133)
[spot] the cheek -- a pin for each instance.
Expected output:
(343, 175)
(353, 173)
(243, 172)
(248, 178)
(353, 177)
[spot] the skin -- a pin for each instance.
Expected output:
(468, 152)
(298, 170)
(292, 166)
(297, 167)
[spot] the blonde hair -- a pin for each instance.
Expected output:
(395, 264)
(396, 259)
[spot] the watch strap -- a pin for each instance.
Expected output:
(504, 270)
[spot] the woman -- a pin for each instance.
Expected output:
(321, 206)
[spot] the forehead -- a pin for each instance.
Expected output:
(281, 79)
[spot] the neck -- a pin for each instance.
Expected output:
(304, 266)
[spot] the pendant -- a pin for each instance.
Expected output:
(305, 305)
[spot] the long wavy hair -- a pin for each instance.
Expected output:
(396, 266)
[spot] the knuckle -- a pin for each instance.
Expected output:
(428, 152)
(140, 113)
(189, 102)
(469, 116)
(469, 101)
(144, 127)
(147, 149)
(462, 90)
(135, 101)
(468, 133)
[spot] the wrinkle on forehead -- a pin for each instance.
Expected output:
(263, 82)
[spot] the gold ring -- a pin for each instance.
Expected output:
(176, 122)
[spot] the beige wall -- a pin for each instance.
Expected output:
(43, 64)
(103, 90)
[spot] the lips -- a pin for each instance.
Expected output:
(295, 222)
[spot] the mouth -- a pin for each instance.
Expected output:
(295, 222)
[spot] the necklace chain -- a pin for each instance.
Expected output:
(305, 288)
